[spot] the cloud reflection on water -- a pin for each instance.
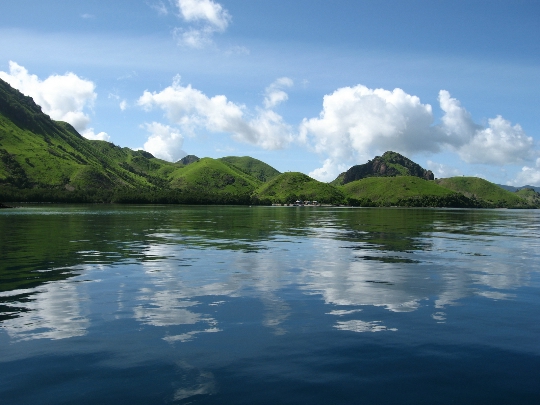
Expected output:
(53, 311)
(350, 264)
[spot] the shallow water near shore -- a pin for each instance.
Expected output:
(265, 305)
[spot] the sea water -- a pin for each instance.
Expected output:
(268, 305)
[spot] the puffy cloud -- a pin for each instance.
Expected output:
(191, 109)
(274, 93)
(209, 16)
(194, 38)
(529, 176)
(329, 171)
(500, 143)
(90, 134)
(441, 170)
(164, 142)
(355, 121)
(204, 11)
(62, 97)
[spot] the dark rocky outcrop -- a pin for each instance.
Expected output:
(189, 159)
(390, 164)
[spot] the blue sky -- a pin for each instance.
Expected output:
(311, 86)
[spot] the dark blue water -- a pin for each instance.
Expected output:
(269, 305)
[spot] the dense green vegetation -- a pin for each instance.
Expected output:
(491, 194)
(253, 167)
(405, 191)
(291, 186)
(530, 195)
(42, 160)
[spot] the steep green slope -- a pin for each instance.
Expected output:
(214, 180)
(402, 191)
(39, 153)
(390, 164)
(139, 162)
(493, 195)
(253, 167)
(291, 186)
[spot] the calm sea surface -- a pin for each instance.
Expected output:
(268, 305)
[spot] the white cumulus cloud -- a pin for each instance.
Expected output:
(192, 109)
(206, 18)
(441, 170)
(274, 93)
(357, 122)
(90, 134)
(529, 176)
(164, 142)
(329, 171)
(62, 97)
(500, 143)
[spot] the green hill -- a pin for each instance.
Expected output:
(46, 160)
(291, 186)
(37, 152)
(403, 191)
(390, 164)
(480, 189)
(214, 180)
(139, 162)
(530, 195)
(253, 167)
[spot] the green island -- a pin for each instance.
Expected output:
(42, 160)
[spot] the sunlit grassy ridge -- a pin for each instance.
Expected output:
(474, 187)
(37, 152)
(214, 177)
(254, 167)
(402, 190)
(291, 186)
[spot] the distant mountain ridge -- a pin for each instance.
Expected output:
(514, 189)
(46, 160)
(390, 164)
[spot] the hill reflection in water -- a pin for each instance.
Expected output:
(220, 304)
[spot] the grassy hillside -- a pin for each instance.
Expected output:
(530, 195)
(213, 177)
(138, 162)
(46, 160)
(37, 152)
(291, 186)
(493, 195)
(253, 167)
(402, 191)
